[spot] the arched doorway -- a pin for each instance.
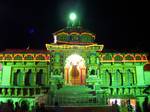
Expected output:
(75, 70)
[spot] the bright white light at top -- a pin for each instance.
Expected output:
(55, 39)
(75, 59)
(72, 16)
(112, 101)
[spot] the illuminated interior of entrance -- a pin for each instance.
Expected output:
(75, 70)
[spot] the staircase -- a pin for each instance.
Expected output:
(75, 96)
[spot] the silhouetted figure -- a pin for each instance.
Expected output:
(42, 108)
(10, 105)
(129, 106)
(24, 106)
(7, 107)
(36, 107)
(57, 108)
(116, 106)
(1, 104)
(17, 107)
(145, 105)
(138, 108)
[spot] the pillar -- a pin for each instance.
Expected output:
(12, 78)
(113, 78)
(22, 81)
(140, 75)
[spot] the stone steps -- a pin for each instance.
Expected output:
(74, 95)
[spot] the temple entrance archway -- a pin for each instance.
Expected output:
(75, 70)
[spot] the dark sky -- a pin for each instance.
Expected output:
(118, 24)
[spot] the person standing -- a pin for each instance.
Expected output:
(129, 106)
(145, 105)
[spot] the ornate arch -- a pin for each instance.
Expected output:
(29, 56)
(18, 57)
(118, 57)
(8, 57)
(40, 57)
(129, 57)
(138, 57)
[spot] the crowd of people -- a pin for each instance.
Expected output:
(127, 107)
(24, 107)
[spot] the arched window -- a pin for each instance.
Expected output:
(118, 78)
(118, 57)
(40, 57)
(107, 56)
(8, 57)
(16, 77)
(25, 104)
(29, 57)
(130, 77)
(138, 57)
(27, 77)
(18, 57)
(129, 57)
(106, 78)
(92, 72)
(56, 72)
(39, 77)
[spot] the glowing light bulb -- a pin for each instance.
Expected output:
(72, 16)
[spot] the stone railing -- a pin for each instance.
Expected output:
(21, 91)
(132, 91)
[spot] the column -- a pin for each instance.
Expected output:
(135, 79)
(21, 92)
(123, 77)
(15, 91)
(12, 78)
(9, 91)
(140, 75)
(33, 79)
(113, 78)
(22, 77)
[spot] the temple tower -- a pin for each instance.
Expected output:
(74, 55)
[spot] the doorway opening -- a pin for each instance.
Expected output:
(75, 70)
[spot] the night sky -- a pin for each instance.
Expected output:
(120, 25)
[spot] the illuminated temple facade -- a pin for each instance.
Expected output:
(73, 70)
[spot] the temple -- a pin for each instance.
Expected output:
(74, 71)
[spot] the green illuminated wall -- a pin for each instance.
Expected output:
(147, 77)
(140, 75)
(6, 76)
(26, 75)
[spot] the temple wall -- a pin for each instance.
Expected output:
(147, 77)
(6, 76)
(23, 81)
(120, 79)
(117, 75)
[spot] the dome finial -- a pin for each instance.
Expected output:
(72, 20)
(72, 16)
